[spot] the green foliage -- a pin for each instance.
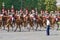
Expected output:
(39, 4)
(50, 5)
(58, 8)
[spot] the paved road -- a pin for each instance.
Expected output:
(26, 35)
(36, 35)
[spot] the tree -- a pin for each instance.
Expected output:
(16, 4)
(30, 4)
(50, 5)
(41, 5)
(7, 4)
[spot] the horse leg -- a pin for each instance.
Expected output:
(33, 29)
(40, 27)
(3, 27)
(52, 26)
(57, 26)
(19, 28)
(32, 26)
(25, 24)
(11, 26)
(44, 25)
(8, 27)
(4, 23)
(0, 25)
(37, 27)
(29, 27)
(16, 28)
(13, 22)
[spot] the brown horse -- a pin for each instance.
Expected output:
(18, 22)
(25, 21)
(44, 21)
(7, 22)
(0, 21)
(4, 18)
(52, 21)
(28, 20)
(39, 21)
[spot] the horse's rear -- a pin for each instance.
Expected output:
(52, 21)
(18, 22)
(39, 21)
(44, 21)
(4, 19)
(28, 20)
(0, 21)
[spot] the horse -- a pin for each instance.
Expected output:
(39, 21)
(44, 21)
(28, 20)
(9, 23)
(18, 22)
(0, 22)
(52, 21)
(6, 20)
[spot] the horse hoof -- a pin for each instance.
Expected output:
(29, 30)
(19, 31)
(57, 29)
(12, 29)
(3, 29)
(35, 29)
(8, 31)
(0, 27)
(15, 31)
(40, 30)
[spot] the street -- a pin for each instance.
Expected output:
(36, 35)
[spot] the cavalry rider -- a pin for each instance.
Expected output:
(8, 12)
(46, 14)
(12, 13)
(5, 13)
(43, 14)
(32, 14)
(21, 11)
(14, 16)
(12, 10)
(26, 12)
